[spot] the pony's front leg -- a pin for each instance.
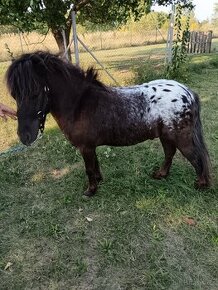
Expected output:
(89, 157)
(169, 151)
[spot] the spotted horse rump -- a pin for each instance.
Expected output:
(164, 102)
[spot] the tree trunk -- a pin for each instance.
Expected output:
(57, 33)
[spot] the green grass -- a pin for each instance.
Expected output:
(136, 233)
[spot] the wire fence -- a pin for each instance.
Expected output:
(117, 50)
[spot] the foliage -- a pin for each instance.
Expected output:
(161, 19)
(7, 29)
(152, 70)
(185, 4)
(114, 12)
(36, 14)
(148, 71)
(215, 15)
(147, 22)
(176, 66)
(27, 15)
(10, 53)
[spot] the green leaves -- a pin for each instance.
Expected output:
(42, 15)
(32, 14)
(179, 49)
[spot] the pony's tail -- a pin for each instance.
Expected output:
(200, 146)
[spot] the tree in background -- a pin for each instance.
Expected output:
(55, 15)
(215, 16)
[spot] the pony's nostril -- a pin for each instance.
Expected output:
(25, 138)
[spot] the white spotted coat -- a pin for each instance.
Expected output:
(164, 100)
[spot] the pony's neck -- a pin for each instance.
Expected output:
(64, 95)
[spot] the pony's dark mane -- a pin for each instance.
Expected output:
(28, 73)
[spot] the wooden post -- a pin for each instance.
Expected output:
(188, 44)
(201, 42)
(209, 41)
(196, 42)
(205, 42)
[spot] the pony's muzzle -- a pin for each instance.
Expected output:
(28, 134)
(26, 138)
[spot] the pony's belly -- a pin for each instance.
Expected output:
(127, 137)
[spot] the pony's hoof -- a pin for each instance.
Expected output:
(201, 185)
(89, 193)
(158, 175)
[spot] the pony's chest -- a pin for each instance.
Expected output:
(77, 132)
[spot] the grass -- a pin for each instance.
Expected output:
(136, 233)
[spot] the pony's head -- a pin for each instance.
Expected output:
(26, 80)
(29, 79)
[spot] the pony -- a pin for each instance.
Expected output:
(92, 114)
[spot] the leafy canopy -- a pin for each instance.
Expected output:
(28, 15)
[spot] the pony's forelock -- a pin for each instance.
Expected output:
(22, 77)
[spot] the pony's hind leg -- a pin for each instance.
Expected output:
(89, 157)
(192, 146)
(197, 155)
(169, 151)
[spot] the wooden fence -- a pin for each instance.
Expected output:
(200, 42)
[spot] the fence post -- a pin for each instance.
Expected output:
(209, 41)
(75, 40)
(168, 58)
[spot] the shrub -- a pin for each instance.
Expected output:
(149, 71)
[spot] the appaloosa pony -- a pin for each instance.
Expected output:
(91, 114)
